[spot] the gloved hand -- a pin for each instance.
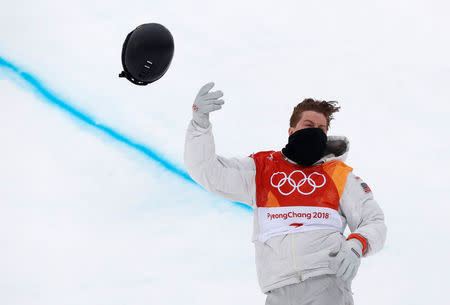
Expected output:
(348, 259)
(204, 103)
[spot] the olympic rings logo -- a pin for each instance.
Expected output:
(297, 185)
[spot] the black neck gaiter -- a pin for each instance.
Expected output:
(306, 146)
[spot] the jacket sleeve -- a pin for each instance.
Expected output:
(364, 216)
(230, 178)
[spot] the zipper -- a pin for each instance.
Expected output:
(294, 258)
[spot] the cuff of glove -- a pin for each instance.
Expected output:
(202, 125)
(361, 239)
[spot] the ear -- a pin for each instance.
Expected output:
(291, 131)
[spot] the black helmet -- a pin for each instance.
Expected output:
(147, 53)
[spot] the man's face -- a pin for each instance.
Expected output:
(310, 119)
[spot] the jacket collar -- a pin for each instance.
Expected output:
(337, 149)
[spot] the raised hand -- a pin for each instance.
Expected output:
(204, 103)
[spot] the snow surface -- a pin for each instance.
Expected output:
(87, 219)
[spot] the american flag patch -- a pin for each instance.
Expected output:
(366, 188)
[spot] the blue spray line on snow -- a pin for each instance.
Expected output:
(36, 85)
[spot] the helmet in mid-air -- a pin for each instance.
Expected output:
(147, 53)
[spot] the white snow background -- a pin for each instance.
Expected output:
(85, 219)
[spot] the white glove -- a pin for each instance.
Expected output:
(348, 259)
(204, 103)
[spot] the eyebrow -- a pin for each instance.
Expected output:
(313, 123)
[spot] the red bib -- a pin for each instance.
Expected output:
(293, 198)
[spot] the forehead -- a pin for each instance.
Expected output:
(315, 117)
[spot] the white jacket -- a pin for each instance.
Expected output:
(290, 258)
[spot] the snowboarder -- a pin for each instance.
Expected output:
(302, 197)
